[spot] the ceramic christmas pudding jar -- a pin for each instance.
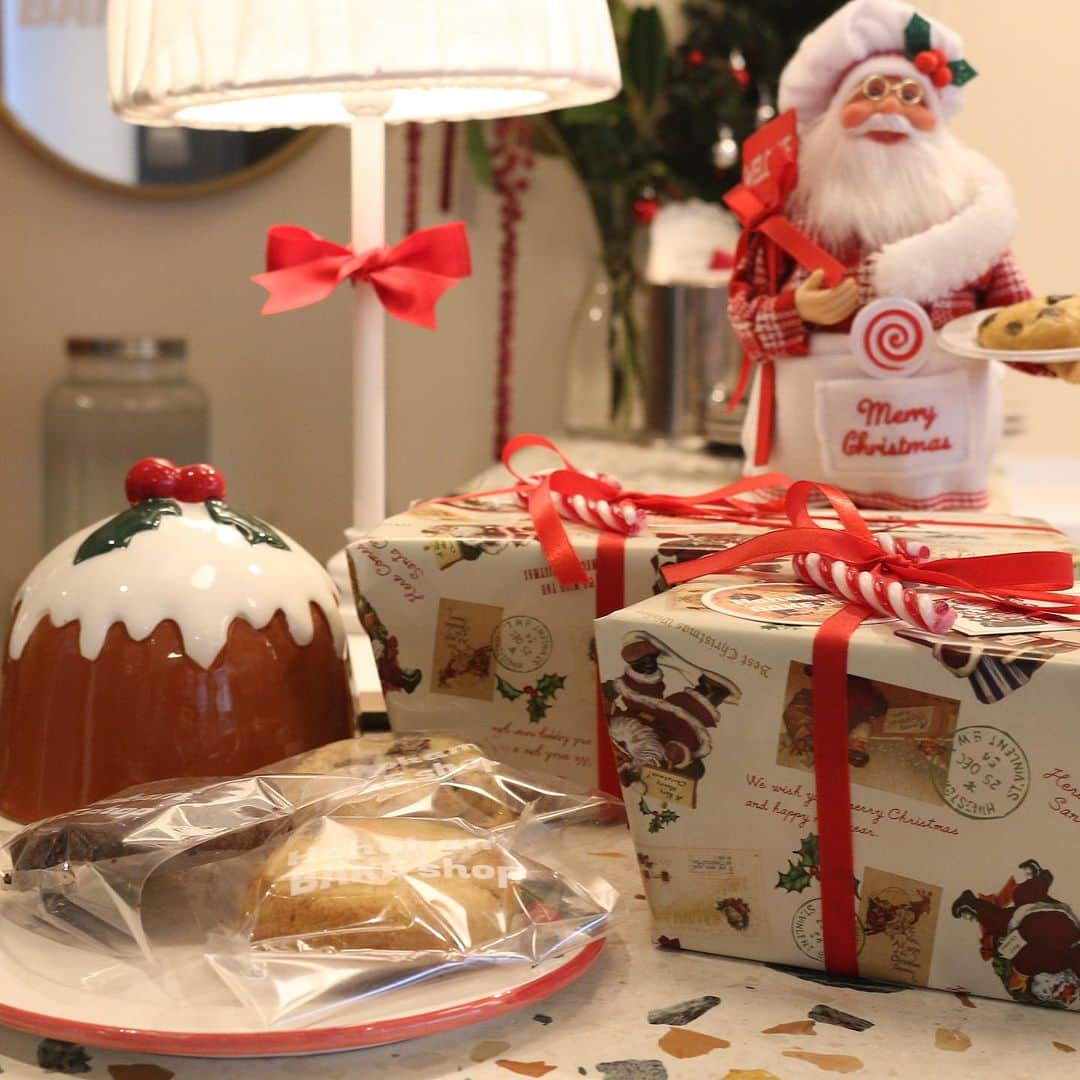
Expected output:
(182, 637)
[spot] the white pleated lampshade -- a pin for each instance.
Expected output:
(252, 64)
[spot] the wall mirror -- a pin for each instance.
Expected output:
(54, 96)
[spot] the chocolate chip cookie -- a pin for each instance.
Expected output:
(1044, 322)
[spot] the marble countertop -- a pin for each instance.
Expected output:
(645, 1014)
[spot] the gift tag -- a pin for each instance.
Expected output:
(889, 337)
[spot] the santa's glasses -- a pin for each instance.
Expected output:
(878, 87)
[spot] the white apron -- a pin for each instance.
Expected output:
(921, 442)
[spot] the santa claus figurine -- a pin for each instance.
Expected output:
(909, 213)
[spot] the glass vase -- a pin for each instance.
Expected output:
(605, 359)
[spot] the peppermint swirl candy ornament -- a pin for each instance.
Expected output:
(889, 337)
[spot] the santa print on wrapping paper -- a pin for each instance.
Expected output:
(466, 543)
(1031, 939)
(385, 646)
(882, 205)
(662, 713)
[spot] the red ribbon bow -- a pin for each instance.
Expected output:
(770, 176)
(1006, 579)
(723, 503)
(303, 268)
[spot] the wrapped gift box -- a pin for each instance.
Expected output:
(964, 773)
(473, 632)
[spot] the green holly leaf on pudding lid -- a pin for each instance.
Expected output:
(253, 529)
(119, 531)
(156, 488)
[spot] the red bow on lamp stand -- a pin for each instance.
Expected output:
(407, 280)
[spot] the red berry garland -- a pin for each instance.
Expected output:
(413, 139)
(645, 210)
(512, 162)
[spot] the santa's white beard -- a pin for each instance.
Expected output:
(855, 190)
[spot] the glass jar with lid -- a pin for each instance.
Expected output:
(122, 399)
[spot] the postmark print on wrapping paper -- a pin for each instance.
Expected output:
(989, 775)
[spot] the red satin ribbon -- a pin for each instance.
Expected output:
(724, 504)
(1007, 579)
(771, 157)
(303, 268)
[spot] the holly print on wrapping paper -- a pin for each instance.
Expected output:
(540, 697)
(659, 819)
(386, 649)
(799, 875)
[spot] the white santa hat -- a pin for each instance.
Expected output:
(872, 37)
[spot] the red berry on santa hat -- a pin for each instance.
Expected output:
(197, 483)
(927, 62)
(942, 77)
(695, 57)
(150, 478)
(942, 56)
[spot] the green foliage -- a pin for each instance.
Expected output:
(477, 149)
(253, 529)
(645, 61)
(119, 531)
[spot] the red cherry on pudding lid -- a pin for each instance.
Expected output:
(151, 478)
(197, 483)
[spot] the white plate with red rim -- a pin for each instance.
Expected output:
(961, 338)
(117, 1007)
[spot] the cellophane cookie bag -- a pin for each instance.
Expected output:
(334, 877)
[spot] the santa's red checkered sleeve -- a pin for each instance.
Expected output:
(766, 323)
(1005, 283)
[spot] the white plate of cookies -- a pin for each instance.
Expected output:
(1042, 330)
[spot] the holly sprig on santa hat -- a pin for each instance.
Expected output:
(934, 63)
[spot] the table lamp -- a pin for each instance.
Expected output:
(253, 64)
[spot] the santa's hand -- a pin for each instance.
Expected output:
(1069, 370)
(824, 306)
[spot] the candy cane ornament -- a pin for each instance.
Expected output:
(619, 515)
(886, 596)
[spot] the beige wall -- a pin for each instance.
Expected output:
(1021, 112)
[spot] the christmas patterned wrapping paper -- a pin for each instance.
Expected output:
(965, 780)
(473, 633)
